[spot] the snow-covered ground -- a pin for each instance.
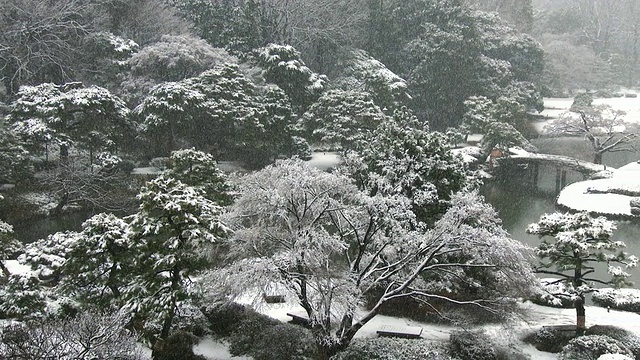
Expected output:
(594, 195)
(324, 160)
(534, 317)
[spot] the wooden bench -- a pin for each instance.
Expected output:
(409, 332)
(299, 318)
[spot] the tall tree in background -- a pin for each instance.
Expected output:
(69, 115)
(315, 27)
(402, 157)
(518, 13)
(40, 40)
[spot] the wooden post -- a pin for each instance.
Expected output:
(564, 178)
(558, 179)
(536, 172)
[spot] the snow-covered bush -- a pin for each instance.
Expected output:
(554, 293)
(224, 317)
(244, 339)
(549, 339)
(286, 342)
(178, 346)
(391, 349)
(629, 339)
(591, 347)
(619, 299)
(471, 346)
(21, 297)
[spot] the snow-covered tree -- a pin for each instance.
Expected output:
(402, 157)
(172, 230)
(572, 244)
(87, 117)
(14, 157)
(199, 170)
(166, 113)
(284, 67)
(603, 127)
(329, 246)
(95, 270)
(498, 121)
(220, 111)
(357, 70)
(88, 335)
(343, 118)
(172, 58)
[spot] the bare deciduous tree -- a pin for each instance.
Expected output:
(89, 335)
(603, 127)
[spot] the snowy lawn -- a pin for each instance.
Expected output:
(534, 317)
(603, 196)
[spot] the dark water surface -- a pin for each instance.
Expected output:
(519, 205)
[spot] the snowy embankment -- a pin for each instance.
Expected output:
(610, 196)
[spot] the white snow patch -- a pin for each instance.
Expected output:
(324, 160)
(614, 357)
(151, 170)
(470, 154)
(15, 267)
(594, 195)
(214, 349)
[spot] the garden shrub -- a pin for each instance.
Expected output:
(178, 346)
(243, 340)
(284, 341)
(629, 339)
(581, 101)
(391, 349)
(591, 347)
(191, 319)
(619, 299)
(467, 345)
(224, 317)
(549, 339)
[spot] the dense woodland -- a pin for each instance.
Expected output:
(93, 89)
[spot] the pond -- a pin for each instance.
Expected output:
(519, 205)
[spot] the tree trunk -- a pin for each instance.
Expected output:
(328, 346)
(597, 159)
(4, 269)
(580, 317)
(64, 154)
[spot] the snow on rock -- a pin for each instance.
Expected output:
(470, 154)
(604, 196)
